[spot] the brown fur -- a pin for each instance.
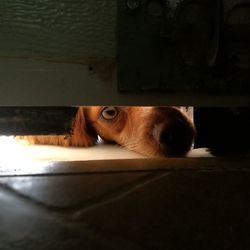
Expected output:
(135, 128)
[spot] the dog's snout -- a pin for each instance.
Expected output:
(168, 136)
(176, 138)
(172, 134)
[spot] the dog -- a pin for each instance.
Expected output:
(151, 131)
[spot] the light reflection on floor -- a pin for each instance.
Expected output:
(18, 154)
(14, 156)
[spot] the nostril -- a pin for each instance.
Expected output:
(176, 138)
(172, 133)
(166, 137)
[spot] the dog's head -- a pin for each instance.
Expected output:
(152, 131)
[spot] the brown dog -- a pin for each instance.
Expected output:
(152, 131)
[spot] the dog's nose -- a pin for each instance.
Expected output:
(172, 134)
(176, 138)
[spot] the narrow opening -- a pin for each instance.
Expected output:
(121, 133)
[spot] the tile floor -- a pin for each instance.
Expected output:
(192, 203)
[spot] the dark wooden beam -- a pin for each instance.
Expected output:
(36, 120)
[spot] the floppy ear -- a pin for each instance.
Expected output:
(83, 135)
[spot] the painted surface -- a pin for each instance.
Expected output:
(62, 53)
(57, 29)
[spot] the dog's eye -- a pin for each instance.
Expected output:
(109, 113)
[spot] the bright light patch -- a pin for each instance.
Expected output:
(21, 157)
(15, 157)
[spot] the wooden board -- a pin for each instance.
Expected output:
(63, 53)
(57, 30)
(36, 121)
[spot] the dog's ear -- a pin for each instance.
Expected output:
(83, 134)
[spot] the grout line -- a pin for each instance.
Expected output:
(116, 197)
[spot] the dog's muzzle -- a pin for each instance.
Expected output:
(176, 137)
